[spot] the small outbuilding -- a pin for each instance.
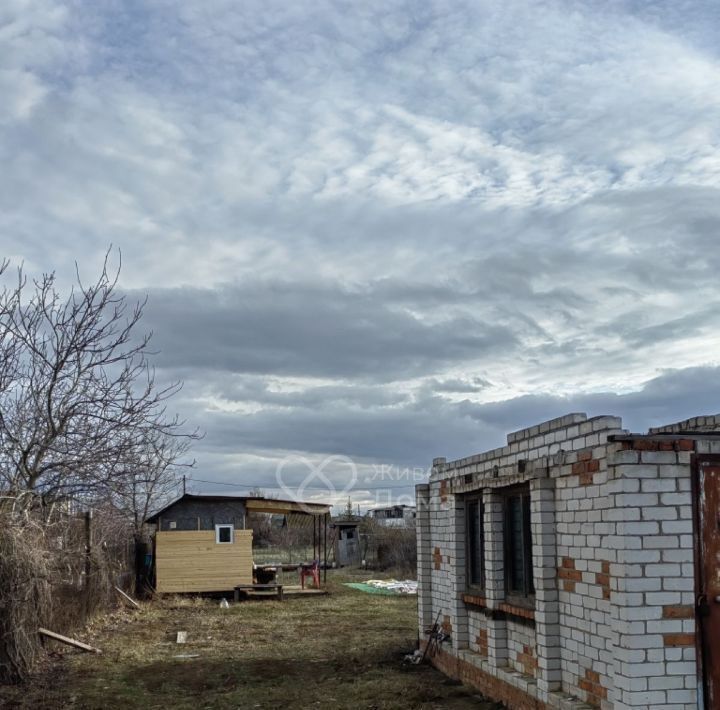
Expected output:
(346, 541)
(394, 516)
(202, 542)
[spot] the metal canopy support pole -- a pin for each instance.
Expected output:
(325, 527)
(315, 556)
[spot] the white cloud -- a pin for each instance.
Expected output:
(546, 170)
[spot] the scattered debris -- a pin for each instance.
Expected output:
(181, 637)
(385, 586)
(127, 597)
(224, 603)
(415, 657)
(70, 642)
(432, 634)
(405, 586)
(187, 655)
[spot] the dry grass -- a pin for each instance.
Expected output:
(25, 596)
(340, 651)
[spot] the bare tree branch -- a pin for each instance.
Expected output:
(80, 411)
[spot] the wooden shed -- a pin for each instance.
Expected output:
(202, 544)
(195, 561)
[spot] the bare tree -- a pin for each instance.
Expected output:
(80, 411)
(151, 481)
(8, 345)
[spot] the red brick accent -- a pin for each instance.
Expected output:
(528, 661)
(591, 685)
(679, 639)
(443, 490)
(679, 611)
(574, 574)
(446, 625)
(585, 467)
(569, 574)
(437, 558)
(474, 600)
(513, 698)
(514, 610)
(584, 455)
(482, 642)
(603, 579)
(659, 445)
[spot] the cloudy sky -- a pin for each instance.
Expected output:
(373, 233)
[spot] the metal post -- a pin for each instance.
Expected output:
(88, 560)
(325, 526)
(314, 537)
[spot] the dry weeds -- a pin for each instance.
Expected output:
(340, 651)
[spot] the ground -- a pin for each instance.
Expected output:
(344, 650)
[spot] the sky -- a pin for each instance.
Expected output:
(375, 233)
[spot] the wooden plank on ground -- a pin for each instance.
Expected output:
(70, 642)
(127, 597)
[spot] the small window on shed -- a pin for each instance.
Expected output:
(223, 534)
(172, 525)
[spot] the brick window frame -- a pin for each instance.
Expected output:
(517, 546)
(474, 543)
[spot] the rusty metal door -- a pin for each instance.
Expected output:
(708, 576)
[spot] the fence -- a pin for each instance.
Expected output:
(57, 569)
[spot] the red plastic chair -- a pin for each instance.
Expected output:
(311, 570)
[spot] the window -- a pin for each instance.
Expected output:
(474, 511)
(223, 534)
(518, 543)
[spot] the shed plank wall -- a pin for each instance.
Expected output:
(191, 561)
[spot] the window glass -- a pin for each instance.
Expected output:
(223, 533)
(518, 543)
(476, 546)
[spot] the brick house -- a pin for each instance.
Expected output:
(579, 565)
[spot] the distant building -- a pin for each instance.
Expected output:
(202, 543)
(394, 516)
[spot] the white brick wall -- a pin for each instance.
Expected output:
(612, 566)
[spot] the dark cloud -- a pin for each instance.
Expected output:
(428, 426)
(310, 330)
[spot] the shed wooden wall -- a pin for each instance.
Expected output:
(191, 561)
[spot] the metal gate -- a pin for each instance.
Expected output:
(707, 576)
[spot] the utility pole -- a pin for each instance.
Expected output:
(183, 485)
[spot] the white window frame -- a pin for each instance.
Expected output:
(217, 534)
